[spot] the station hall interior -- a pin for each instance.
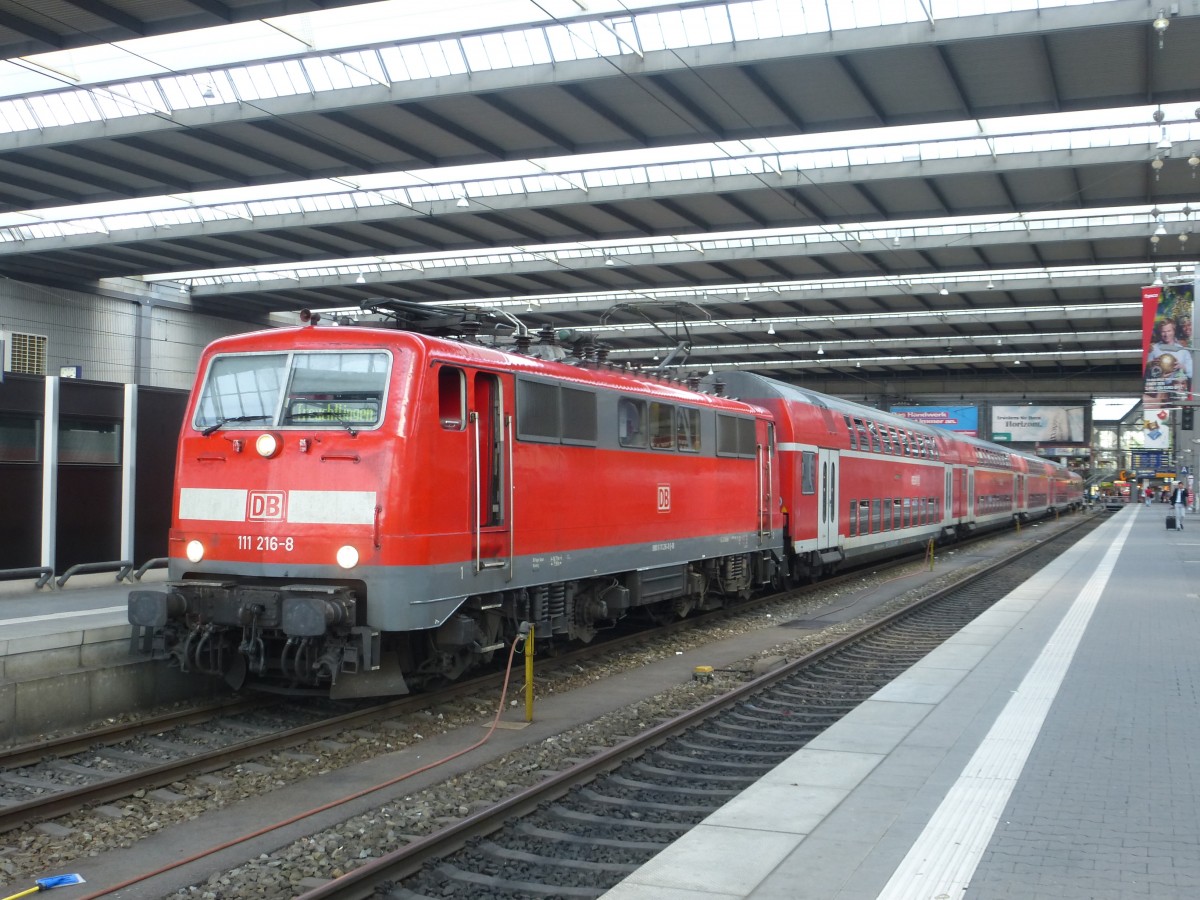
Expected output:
(923, 204)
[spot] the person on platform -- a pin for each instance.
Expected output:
(1179, 502)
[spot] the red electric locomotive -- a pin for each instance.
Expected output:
(362, 510)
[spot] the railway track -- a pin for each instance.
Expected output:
(580, 832)
(41, 781)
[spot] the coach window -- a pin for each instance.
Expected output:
(864, 442)
(687, 429)
(631, 422)
(907, 514)
(875, 516)
(808, 472)
(887, 514)
(885, 435)
(850, 430)
(452, 398)
(662, 426)
(874, 431)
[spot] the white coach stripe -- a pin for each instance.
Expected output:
(331, 507)
(212, 504)
(946, 854)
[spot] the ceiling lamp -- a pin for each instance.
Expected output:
(463, 202)
(771, 328)
(1156, 164)
(820, 351)
(1161, 229)
(1160, 24)
(1194, 162)
(943, 291)
(361, 279)
(609, 261)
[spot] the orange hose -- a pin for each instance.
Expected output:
(137, 879)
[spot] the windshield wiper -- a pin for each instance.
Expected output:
(226, 420)
(318, 414)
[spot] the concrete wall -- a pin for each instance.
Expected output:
(125, 331)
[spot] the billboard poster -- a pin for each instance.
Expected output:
(1038, 424)
(962, 419)
(1167, 344)
(1167, 326)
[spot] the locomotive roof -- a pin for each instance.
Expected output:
(569, 369)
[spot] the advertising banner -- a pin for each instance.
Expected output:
(962, 419)
(1167, 326)
(1045, 424)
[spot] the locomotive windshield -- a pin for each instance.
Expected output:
(337, 389)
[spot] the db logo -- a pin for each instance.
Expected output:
(664, 498)
(265, 506)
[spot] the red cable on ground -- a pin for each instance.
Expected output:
(327, 806)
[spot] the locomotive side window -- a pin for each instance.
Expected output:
(537, 410)
(578, 416)
(688, 429)
(662, 426)
(808, 472)
(452, 398)
(735, 436)
(631, 423)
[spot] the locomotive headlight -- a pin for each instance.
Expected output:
(195, 551)
(268, 445)
(347, 557)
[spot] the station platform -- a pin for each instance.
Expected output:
(65, 657)
(1047, 751)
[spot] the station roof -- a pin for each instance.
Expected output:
(910, 198)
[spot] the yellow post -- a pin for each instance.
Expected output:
(529, 675)
(929, 554)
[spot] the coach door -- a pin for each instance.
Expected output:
(491, 468)
(827, 498)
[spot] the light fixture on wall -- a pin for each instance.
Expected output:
(1160, 24)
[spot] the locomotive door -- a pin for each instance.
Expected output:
(827, 498)
(491, 474)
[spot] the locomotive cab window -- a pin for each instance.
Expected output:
(338, 389)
